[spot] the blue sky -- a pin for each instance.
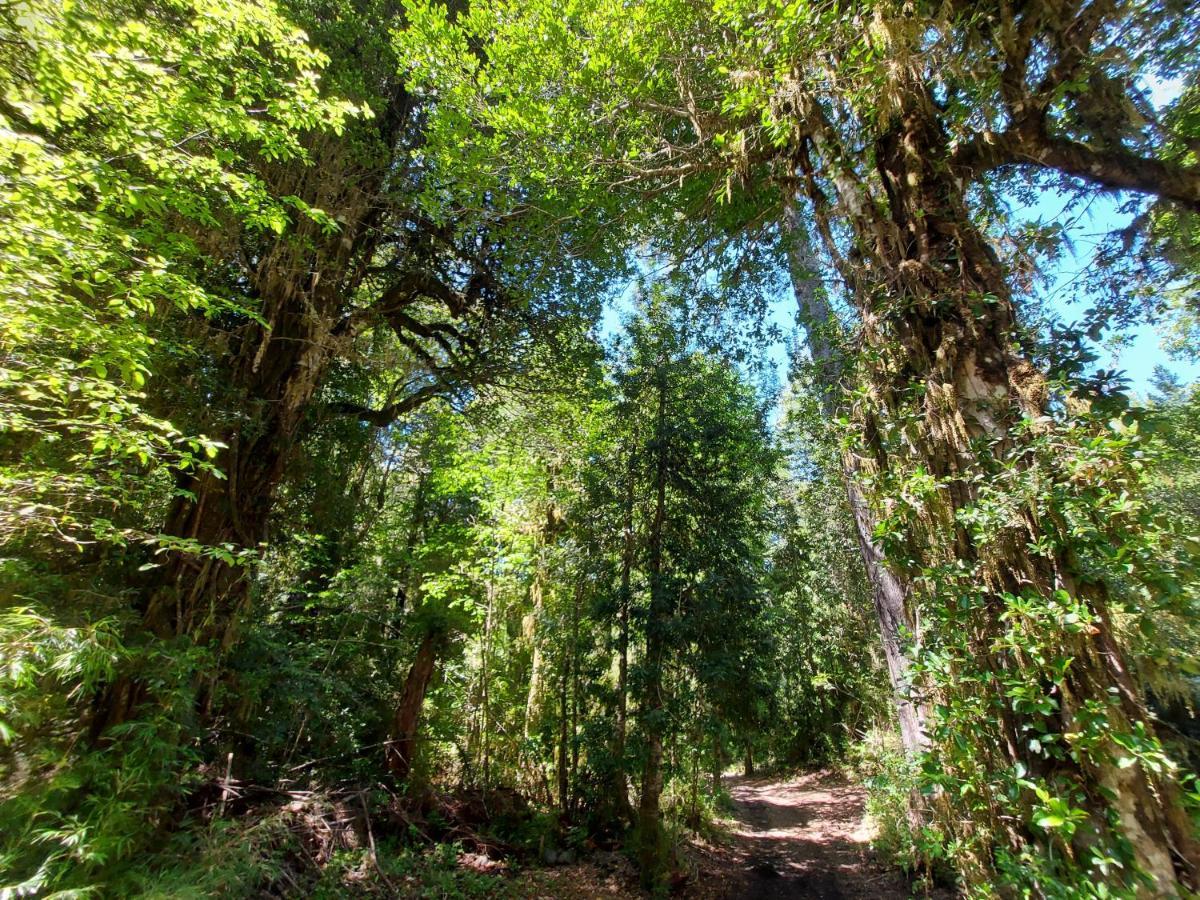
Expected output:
(1139, 351)
(1137, 354)
(1142, 351)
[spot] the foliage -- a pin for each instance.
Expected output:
(1035, 564)
(1086, 487)
(891, 778)
(319, 466)
(827, 656)
(56, 840)
(268, 852)
(125, 131)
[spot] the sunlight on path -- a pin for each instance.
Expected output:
(806, 837)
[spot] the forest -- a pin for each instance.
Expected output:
(706, 448)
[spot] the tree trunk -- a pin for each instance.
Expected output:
(897, 626)
(749, 762)
(652, 849)
(485, 675)
(271, 374)
(575, 695)
(564, 771)
(199, 596)
(890, 594)
(620, 785)
(537, 588)
(940, 329)
(401, 748)
(533, 697)
(697, 743)
(718, 763)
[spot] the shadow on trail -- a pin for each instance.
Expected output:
(764, 815)
(805, 838)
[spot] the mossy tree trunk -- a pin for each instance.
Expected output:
(949, 402)
(620, 786)
(890, 593)
(652, 710)
(269, 377)
(400, 750)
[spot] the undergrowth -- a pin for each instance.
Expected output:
(916, 846)
(275, 854)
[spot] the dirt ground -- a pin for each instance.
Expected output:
(804, 838)
(807, 837)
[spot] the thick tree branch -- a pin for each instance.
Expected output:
(421, 283)
(1115, 169)
(1074, 46)
(402, 293)
(381, 418)
(449, 338)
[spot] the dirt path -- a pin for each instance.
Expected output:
(801, 838)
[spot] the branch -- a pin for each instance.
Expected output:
(381, 418)
(1074, 47)
(404, 292)
(1115, 169)
(434, 331)
(420, 282)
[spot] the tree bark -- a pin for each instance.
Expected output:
(718, 762)
(485, 675)
(533, 696)
(270, 375)
(939, 326)
(620, 785)
(564, 769)
(546, 539)
(897, 627)
(651, 849)
(274, 376)
(400, 750)
(575, 699)
(1114, 168)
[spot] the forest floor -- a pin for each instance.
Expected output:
(801, 838)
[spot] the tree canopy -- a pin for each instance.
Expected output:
(404, 460)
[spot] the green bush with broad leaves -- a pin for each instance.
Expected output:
(990, 656)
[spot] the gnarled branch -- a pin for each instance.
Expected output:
(1116, 169)
(381, 418)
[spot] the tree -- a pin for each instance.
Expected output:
(701, 459)
(311, 467)
(126, 135)
(821, 609)
(193, 220)
(119, 152)
(384, 265)
(939, 324)
(889, 591)
(883, 118)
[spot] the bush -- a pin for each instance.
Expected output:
(903, 834)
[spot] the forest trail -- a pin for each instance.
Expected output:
(805, 837)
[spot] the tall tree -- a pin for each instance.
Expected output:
(894, 121)
(386, 261)
(127, 144)
(890, 593)
(701, 463)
